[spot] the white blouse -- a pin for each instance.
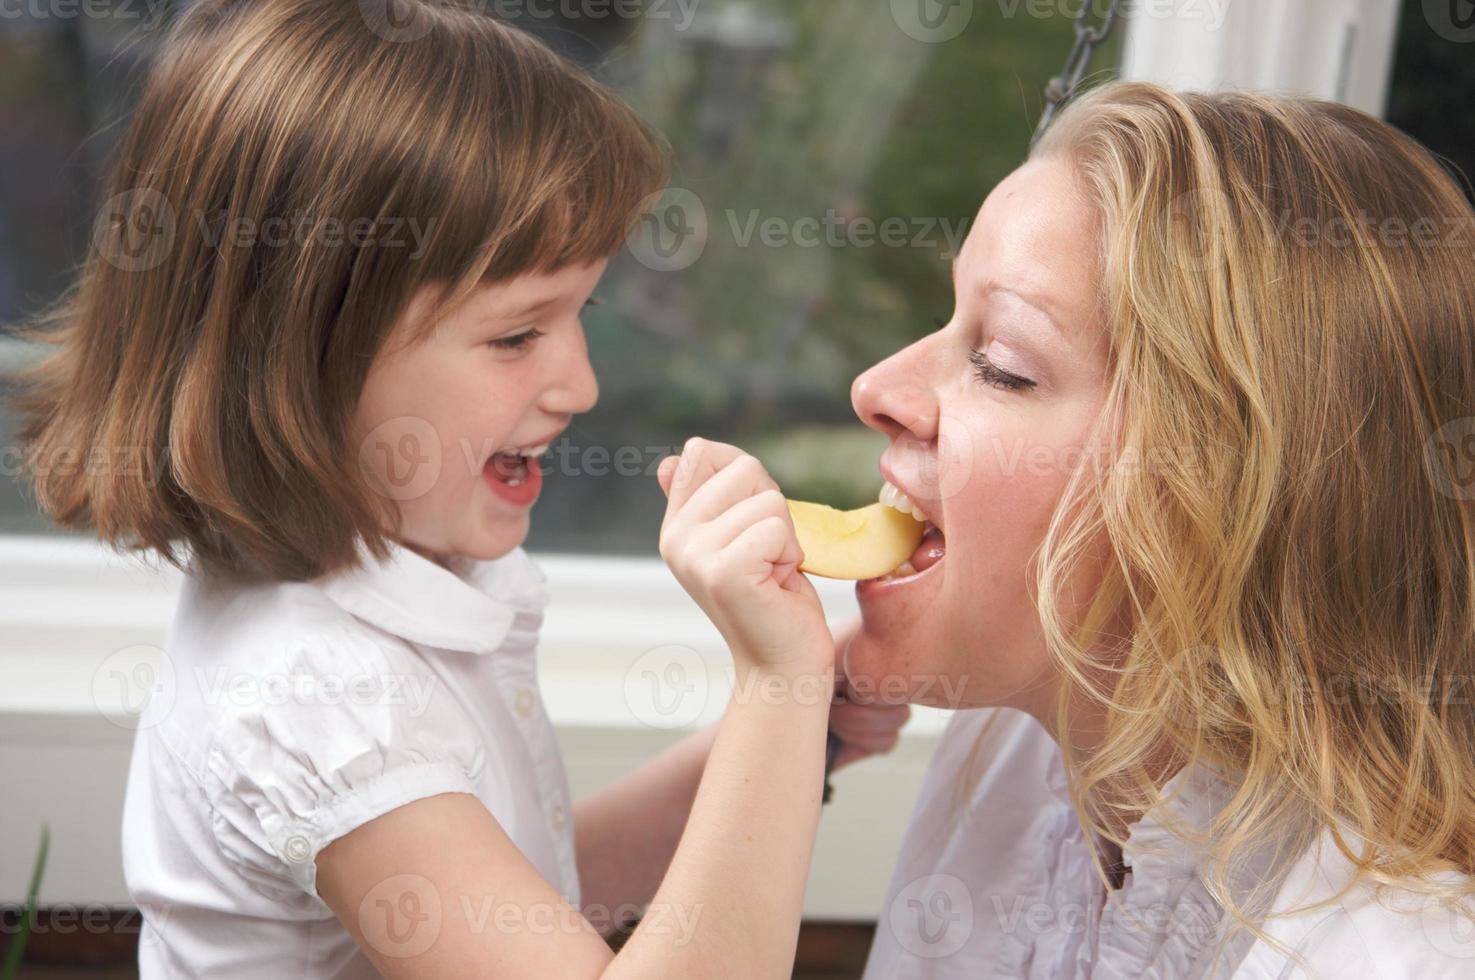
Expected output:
(1001, 885)
(288, 714)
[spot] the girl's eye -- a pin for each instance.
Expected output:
(991, 375)
(517, 342)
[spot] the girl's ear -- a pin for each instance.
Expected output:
(666, 471)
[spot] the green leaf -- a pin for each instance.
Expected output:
(18, 946)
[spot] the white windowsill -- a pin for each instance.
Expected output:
(68, 603)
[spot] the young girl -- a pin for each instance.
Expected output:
(331, 321)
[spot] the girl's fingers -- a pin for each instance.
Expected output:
(769, 544)
(666, 472)
(737, 480)
(699, 461)
(724, 529)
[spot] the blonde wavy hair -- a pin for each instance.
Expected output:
(1289, 289)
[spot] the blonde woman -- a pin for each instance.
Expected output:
(1195, 446)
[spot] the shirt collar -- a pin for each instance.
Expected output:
(470, 607)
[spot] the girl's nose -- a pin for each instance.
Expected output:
(895, 397)
(572, 387)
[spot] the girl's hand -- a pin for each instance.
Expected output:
(865, 725)
(730, 542)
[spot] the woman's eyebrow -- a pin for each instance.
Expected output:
(1034, 300)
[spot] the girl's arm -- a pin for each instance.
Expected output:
(436, 888)
(627, 831)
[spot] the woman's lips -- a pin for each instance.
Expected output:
(924, 564)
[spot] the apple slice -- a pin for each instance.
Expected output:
(854, 544)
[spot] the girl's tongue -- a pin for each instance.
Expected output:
(509, 468)
(930, 551)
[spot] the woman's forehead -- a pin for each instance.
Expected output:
(1036, 237)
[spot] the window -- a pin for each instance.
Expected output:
(830, 157)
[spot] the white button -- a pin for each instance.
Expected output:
(299, 848)
(558, 816)
(522, 703)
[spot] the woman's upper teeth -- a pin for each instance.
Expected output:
(533, 453)
(895, 499)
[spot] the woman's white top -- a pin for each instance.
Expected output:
(288, 714)
(1003, 886)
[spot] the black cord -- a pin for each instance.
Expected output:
(832, 749)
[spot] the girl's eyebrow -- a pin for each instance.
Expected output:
(524, 310)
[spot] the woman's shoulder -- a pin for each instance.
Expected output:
(1365, 928)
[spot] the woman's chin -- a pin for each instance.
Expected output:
(883, 666)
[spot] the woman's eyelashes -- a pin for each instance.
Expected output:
(990, 374)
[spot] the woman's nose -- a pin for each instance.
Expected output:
(895, 398)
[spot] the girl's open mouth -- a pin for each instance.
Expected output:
(515, 475)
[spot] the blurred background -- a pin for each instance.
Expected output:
(829, 158)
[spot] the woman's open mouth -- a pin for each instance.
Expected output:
(927, 555)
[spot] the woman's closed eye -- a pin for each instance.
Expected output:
(989, 373)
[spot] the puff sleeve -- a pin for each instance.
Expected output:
(321, 739)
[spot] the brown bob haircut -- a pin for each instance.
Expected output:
(201, 382)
